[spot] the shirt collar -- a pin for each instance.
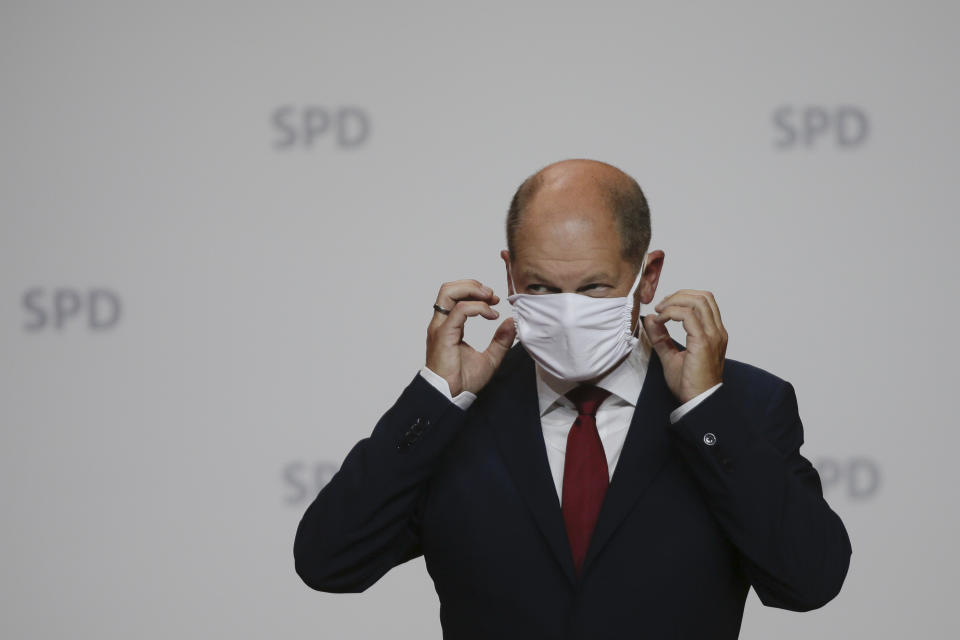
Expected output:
(624, 381)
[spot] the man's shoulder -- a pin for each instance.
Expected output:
(750, 372)
(754, 385)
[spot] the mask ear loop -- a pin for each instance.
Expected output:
(512, 283)
(633, 290)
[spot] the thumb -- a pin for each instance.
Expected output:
(659, 337)
(501, 342)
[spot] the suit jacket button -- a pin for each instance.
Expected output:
(412, 433)
(709, 439)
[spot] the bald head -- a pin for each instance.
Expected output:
(583, 192)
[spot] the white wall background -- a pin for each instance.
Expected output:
(261, 305)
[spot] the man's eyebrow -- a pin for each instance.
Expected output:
(597, 277)
(538, 278)
(534, 275)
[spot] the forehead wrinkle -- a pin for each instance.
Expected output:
(555, 243)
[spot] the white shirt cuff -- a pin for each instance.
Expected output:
(679, 412)
(463, 400)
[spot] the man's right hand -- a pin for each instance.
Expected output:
(463, 367)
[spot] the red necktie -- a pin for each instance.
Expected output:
(585, 474)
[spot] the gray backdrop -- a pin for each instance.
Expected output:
(223, 227)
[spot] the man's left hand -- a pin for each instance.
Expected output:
(698, 368)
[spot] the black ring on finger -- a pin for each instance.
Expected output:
(437, 307)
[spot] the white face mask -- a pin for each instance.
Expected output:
(575, 336)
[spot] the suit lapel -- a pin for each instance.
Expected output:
(514, 416)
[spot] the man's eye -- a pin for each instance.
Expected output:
(594, 287)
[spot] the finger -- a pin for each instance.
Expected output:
(466, 309)
(715, 308)
(710, 300)
(686, 316)
(452, 292)
(501, 342)
(659, 336)
(698, 301)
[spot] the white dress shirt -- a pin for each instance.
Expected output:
(558, 413)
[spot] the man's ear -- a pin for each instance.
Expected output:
(651, 276)
(506, 263)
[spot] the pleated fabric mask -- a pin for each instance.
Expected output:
(574, 336)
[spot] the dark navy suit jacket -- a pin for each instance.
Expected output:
(685, 529)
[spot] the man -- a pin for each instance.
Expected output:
(596, 480)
